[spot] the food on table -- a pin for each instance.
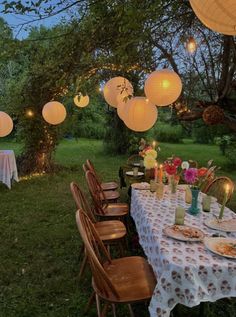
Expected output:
(187, 231)
(226, 248)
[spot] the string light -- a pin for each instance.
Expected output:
(29, 113)
(191, 45)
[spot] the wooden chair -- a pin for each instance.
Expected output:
(105, 186)
(134, 159)
(110, 232)
(217, 188)
(126, 280)
(110, 195)
(102, 207)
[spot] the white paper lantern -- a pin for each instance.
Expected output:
(54, 112)
(81, 101)
(141, 114)
(122, 100)
(6, 124)
(115, 87)
(163, 87)
(217, 15)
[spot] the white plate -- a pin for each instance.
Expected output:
(142, 185)
(136, 164)
(227, 225)
(213, 199)
(213, 244)
(131, 173)
(177, 232)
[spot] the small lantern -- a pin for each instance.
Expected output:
(54, 112)
(191, 45)
(81, 101)
(6, 124)
(219, 16)
(115, 87)
(141, 114)
(163, 87)
(213, 115)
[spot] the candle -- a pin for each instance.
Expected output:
(226, 194)
(154, 144)
(155, 174)
(161, 173)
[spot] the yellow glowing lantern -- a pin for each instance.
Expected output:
(6, 124)
(163, 87)
(54, 112)
(191, 45)
(115, 87)
(81, 101)
(141, 114)
(122, 100)
(217, 15)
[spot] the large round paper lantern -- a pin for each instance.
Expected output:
(163, 87)
(54, 112)
(122, 109)
(81, 101)
(115, 87)
(6, 124)
(217, 15)
(141, 114)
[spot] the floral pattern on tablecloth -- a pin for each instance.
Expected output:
(186, 272)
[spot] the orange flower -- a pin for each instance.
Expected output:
(202, 171)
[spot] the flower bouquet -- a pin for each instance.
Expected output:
(149, 155)
(172, 168)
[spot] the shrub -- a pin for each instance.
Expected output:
(168, 133)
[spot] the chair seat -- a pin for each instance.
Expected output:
(110, 230)
(132, 277)
(111, 195)
(116, 210)
(109, 186)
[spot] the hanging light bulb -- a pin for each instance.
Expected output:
(191, 45)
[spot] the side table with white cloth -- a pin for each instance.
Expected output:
(187, 273)
(8, 169)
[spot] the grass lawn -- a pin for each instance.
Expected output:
(39, 240)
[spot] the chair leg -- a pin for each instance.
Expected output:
(98, 306)
(114, 310)
(88, 305)
(131, 311)
(83, 264)
(120, 243)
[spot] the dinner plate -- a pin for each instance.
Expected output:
(184, 233)
(136, 164)
(141, 186)
(226, 225)
(222, 246)
(131, 173)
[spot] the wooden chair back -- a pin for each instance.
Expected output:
(81, 201)
(96, 192)
(85, 168)
(135, 158)
(96, 253)
(93, 170)
(217, 188)
(193, 164)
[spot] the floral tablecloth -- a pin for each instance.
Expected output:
(186, 272)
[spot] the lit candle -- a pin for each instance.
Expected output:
(156, 171)
(226, 195)
(161, 173)
(154, 144)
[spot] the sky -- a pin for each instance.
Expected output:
(15, 21)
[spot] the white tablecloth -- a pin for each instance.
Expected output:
(8, 169)
(186, 272)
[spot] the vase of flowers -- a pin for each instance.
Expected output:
(171, 167)
(149, 155)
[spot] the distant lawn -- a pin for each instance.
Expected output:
(39, 240)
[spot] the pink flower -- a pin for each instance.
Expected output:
(177, 161)
(190, 175)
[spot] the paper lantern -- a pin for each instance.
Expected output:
(191, 45)
(54, 112)
(213, 115)
(122, 100)
(163, 87)
(81, 101)
(115, 87)
(141, 114)
(6, 124)
(217, 15)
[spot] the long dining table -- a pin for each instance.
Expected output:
(187, 272)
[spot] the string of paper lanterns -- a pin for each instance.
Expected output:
(217, 15)
(6, 124)
(54, 112)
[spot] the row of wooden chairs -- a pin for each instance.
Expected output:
(123, 280)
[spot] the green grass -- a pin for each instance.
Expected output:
(39, 239)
